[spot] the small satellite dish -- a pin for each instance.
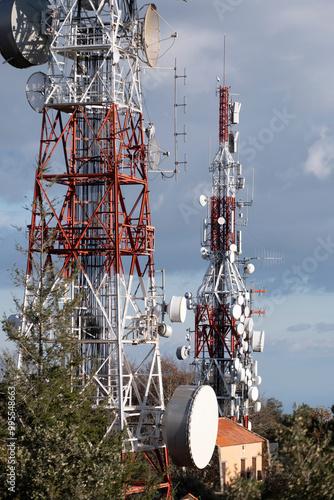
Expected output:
(165, 330)
(22, 41)
(240, 328)
(153, 153)
(257, 406)
(253, 393)
(151, 35)
(249, 268)
(236, 311)
(35, 90)
(177, 309)
(182, 352)
(240, 300)
(249, 324)
(203, 200)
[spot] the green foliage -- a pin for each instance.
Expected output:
(243, 489)
(306, 458)
(188, 482)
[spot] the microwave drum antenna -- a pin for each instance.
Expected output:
(22, 43)
(151, 35)
(35, 91)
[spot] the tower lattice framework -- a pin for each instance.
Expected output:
(224, 335)
(91, 212)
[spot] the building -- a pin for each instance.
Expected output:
(240, 451)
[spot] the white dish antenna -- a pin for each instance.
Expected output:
(153, 153)
(190, 425)
(165, 330)
(35, 91)
(182, 352)
(203, 200)
(253, 393)
(22, 41)
(151, 35)
(177, 309)
(236, 311)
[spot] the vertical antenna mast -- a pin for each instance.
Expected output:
(224, 329)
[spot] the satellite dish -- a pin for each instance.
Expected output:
(190, 425)
(151, 35)
(35, 90)
(240, 300)
(22, 41)
(165, 330)
(153, 153)
(177, 309)
(249, 324)
(236, 311)
(253, 393)
(203, 200)
(257, 406)
(249, 268)
(182, 352)
(240, 328)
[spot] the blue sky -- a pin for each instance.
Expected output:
(279, 59)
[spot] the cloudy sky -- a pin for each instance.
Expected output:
(279, 60)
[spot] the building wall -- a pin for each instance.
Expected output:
(240, 458)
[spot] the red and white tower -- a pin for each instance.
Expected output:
(93, 161)
(224, 330)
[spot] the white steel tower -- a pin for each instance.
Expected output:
(93, 158)
(224, 331)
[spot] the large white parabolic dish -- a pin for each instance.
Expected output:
(21, 42)
(151, 35)
(190, 425)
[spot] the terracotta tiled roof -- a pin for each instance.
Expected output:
(189, 496)
(230, 433)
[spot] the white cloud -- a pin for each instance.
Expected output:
(320, 160)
